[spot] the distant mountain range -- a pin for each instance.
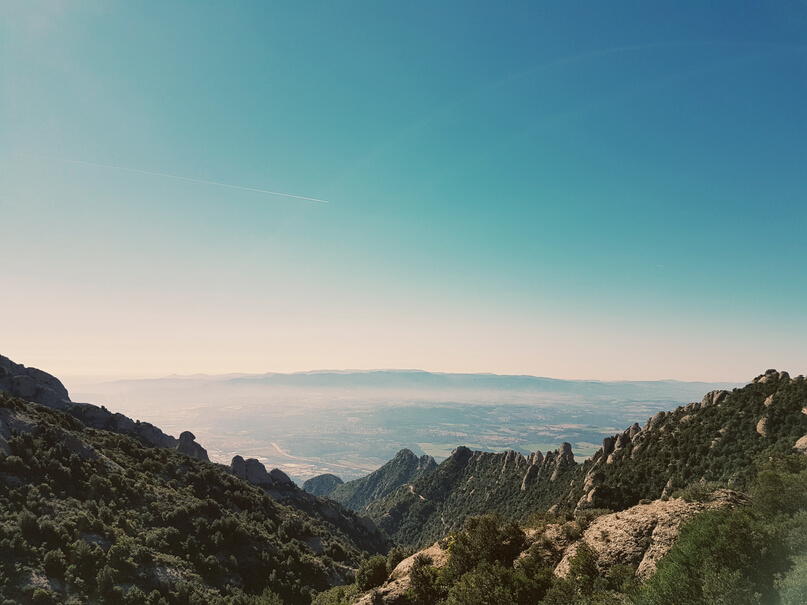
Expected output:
(419, 380)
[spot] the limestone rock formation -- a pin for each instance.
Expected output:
(771, 376)
(32, 384)
(188, 446)
(762, 426)
(278, 477)
(713, 398)
(394, 591)
(255, 472)
(641, 535)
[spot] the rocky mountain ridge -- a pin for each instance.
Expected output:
(322, 485)
(90, 515)
(404, 468)
(717, 439)
(40, 387)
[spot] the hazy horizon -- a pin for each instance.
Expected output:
(93, 378)
(351, 423)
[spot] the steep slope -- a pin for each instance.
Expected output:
(277, 484)
(710, 545)
(635, 539)
(322, 485)
(473, 483)
(40, 387)
(89, 514)
(404, 468)
(717, 440)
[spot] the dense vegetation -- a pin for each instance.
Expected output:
(404, 468)
(750, 555)
(716, 442)
(95, 516)
(713, 443)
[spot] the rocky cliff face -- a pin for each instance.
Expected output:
(40, 387)
(32, 384)
(641, 535)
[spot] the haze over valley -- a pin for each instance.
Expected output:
(350, 423)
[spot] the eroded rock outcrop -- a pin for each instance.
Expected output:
(188, 446)
(40, 387)
(771, 376)
(641, 535)
(394, 591)
(713, 398)
(32, 384)
(255, 472)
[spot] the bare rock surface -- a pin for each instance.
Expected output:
(187, 445)
(640, 536)
(394, 591)
(762, 427)
(32, 384)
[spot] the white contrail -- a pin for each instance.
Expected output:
(169, 176)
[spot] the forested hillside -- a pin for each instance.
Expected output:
(404, 468)
(716, 440)
(89, 515)
(716, 547)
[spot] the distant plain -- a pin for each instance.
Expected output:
(350, 423)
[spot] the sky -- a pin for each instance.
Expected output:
(566, 189)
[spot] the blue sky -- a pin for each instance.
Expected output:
(576, 190)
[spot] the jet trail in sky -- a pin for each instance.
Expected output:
(170, 176)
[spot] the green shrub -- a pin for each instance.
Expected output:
(372, 572)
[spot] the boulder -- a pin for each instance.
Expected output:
(188, 446)
(771, 376)
(640, 536)
(762, 426)
(713, 398)
(256, 473)
(278, 477)
(461, 455)
(238, 467)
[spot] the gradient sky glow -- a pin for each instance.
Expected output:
(567, 189)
